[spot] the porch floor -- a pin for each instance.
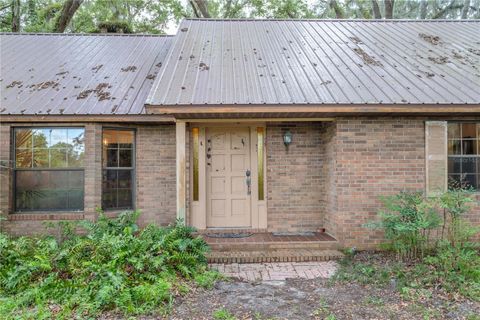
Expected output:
(268, 237)
(266, 247)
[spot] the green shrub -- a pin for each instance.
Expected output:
(455, 204)
(407, 221)
(114, 266)
(450, 261)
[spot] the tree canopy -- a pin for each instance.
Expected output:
(156, 16)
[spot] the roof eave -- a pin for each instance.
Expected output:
(313, 110)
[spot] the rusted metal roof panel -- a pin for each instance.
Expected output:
(78, 74)
(228, 62)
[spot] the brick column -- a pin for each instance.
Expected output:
(5, 170)
(93, 170)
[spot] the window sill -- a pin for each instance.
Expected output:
(39, 215)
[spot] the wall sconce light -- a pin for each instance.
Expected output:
(287, 138)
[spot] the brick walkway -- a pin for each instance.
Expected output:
(277, 271)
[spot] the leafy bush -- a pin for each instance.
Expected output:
(408, 220)
(114, 266)
(455, 204)
(449, 261)
(115, 26)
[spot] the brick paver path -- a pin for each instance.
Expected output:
(277, 271)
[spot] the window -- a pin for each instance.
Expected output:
(464, 155)
(118, 169)
(48, 170)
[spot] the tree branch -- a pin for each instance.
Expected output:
(194, 7)
(68, 11)
(202, 7)
(338, 11)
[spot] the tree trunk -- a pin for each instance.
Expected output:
(202, 7)
(376, 10)
(228, 7)
(389, 9)
(466, 7)
(16, 16)
(423, 9)
(338, 11)
(68, 11)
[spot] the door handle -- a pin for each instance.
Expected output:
(249, 182)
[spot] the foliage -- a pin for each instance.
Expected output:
(223, 314)
(438, 271)
(114, 266)
(161, 16)
(455, 204)
(115, 26)
(366, 273)
(407, 222)
(452, 262)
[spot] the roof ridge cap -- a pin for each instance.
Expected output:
(336, 20)
(85, 34)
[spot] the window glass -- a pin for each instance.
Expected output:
(118, 166)
(49, 190)
(454, 131)
(49, 148)
(464, 155)
(469, 131)
(49, 169)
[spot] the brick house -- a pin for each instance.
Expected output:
(267, 126)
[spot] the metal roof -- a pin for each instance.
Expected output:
(78, 74)
(318, 62)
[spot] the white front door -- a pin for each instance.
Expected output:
(227, 173)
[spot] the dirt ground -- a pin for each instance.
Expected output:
(314, 299)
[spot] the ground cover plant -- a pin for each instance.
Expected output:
(431, 245)
(114, 266)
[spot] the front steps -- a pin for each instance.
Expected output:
(280, 255)
(265, 247)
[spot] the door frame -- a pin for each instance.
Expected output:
(198, 207)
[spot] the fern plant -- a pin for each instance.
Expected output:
(113, 266)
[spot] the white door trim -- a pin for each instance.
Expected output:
(198, 209)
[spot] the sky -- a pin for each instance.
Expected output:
(172, 26)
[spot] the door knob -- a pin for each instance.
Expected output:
(249, 182)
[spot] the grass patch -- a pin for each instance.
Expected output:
(223, 314)
(418, 279)
(423, 263)
(114, 266)
(323, 311)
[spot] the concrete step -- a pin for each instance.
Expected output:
(279, 255)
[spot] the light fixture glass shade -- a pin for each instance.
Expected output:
(287, 138)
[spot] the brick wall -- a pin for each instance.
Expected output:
(329, 169)
(156, 174)
(295, 177)
(331, 176)
(155, 178)
(374, 157)
(5, 183)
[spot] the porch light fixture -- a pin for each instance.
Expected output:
(287, 138)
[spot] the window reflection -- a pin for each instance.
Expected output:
(118, 165)
(464, 155)
(39, 154)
